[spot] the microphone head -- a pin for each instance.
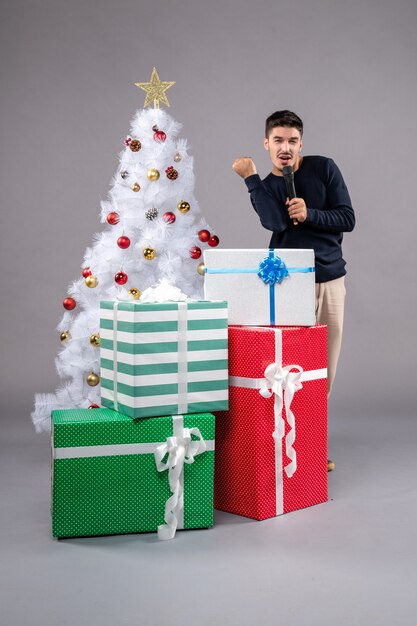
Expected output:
(287, 170)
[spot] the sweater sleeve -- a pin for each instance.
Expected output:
(266, 205)
(338, 216)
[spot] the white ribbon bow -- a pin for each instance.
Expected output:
(180, 450)
(277, 379)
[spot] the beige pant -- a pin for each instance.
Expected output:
(330, 304)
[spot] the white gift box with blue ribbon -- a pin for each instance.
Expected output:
(263, 287)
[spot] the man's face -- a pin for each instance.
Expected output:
(284, 145)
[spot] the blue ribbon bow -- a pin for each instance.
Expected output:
(272, 269)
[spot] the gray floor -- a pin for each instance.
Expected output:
(350, 561)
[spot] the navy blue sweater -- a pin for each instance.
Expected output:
(329, 212)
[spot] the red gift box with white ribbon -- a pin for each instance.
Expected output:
(271, 445)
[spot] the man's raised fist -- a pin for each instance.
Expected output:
(244, 166)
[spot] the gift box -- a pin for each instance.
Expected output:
(263, 287)
(271, 445)
(163, 358)
(112, 474)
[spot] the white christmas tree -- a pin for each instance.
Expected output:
(154, 230)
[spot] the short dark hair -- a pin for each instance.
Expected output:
(283, 118)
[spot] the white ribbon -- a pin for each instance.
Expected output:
(163, 292)
(182, 358)
(180, 449)
(278, 380)
(115, 357)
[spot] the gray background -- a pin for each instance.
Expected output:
(348, 69)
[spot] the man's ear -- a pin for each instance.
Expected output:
(266, 143)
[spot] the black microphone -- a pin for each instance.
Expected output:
(288, 173)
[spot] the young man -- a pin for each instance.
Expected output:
(316, 218)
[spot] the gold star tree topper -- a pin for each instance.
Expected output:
(155, 90)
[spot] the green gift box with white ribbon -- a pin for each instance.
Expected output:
(164, 358)
(115, 475)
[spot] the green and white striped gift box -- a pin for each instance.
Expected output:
(164, 358)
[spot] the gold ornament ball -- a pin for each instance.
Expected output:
(93, 379)
(65, 335)
(183, 206)
(95, 340)
(91, 281)
(135, 293)
(177, 157)
(153, 174)
(149, 253)
(201, 268)
(136, 187)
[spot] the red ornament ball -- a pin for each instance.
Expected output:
(195, 252)
(86, 272)
(123, 242)
(94, 406)
(113, 218)
(159, 136)
(120, 278)
(213, 241)
(204, 235)
(69, 304)
(169, 217)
